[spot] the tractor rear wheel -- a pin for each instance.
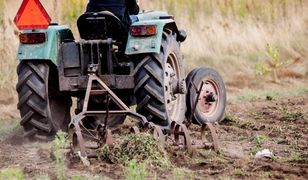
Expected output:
(160, 86)
(42, 109)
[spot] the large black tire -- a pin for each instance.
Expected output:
(43, 109)
(214, 86)
(154, 77)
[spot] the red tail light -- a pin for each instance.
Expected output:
(32, 38)
(144, 30)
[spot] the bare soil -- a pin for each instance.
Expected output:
(280, 125)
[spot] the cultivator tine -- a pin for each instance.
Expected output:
(108, 138)
(181, 137)
(213, 135)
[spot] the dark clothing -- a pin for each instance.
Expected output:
(121, 8)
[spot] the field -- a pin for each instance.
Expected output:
(261, 49)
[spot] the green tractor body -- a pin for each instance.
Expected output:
(111, 68)
(57, 34)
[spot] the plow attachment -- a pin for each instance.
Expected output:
(88, 136)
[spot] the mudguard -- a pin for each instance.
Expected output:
(150, 44)
(47, 51)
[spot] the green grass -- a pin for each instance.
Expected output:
(289, 115)
(250, 94)
(58, 145)
(135, 170)
(11, 174)
(140, 147)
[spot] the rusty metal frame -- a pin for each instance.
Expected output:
(102, 135)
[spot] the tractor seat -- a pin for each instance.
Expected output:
(101, 25)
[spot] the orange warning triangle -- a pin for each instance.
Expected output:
(32, 15)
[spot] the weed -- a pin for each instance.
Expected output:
(259, 140)
(294, 157)
(135, 170)
(140, 147)
(58, 145)
(291, 115)
(11, 173)
(273, 64)
(230, 119)
(262, 69)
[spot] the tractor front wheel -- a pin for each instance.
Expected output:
(43, 109)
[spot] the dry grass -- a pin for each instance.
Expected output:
(232, 35)
(229, 35)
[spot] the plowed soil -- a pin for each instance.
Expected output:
(279, 125)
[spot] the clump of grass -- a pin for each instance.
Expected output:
(259, 140)
(230, 119)
(58, 145)
(12, 173)
(288, 115)
(139, 147)
(135, 170)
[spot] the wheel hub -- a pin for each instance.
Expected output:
(170, 80)
(208, 101)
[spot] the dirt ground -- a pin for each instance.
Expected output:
(280, 125)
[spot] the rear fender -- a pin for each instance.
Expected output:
(47, 51)
(149, 44)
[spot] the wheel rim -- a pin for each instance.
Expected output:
(209, 98)
(172, 76)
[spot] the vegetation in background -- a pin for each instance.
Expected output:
(273, 64)
(58, 145)
(232, 35)
(1, 11)
(11, 173)
(71, 10)
(7, 127)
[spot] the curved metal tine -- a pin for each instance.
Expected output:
(109, 139)
(203, 137)
(172, 128)
(80, 143)
(158, 132)
(214, 137)
(187, 137)
(181, 130)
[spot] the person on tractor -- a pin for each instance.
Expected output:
(121, 8)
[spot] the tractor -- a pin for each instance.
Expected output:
(108, 70)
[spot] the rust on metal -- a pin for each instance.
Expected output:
(85, 139)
